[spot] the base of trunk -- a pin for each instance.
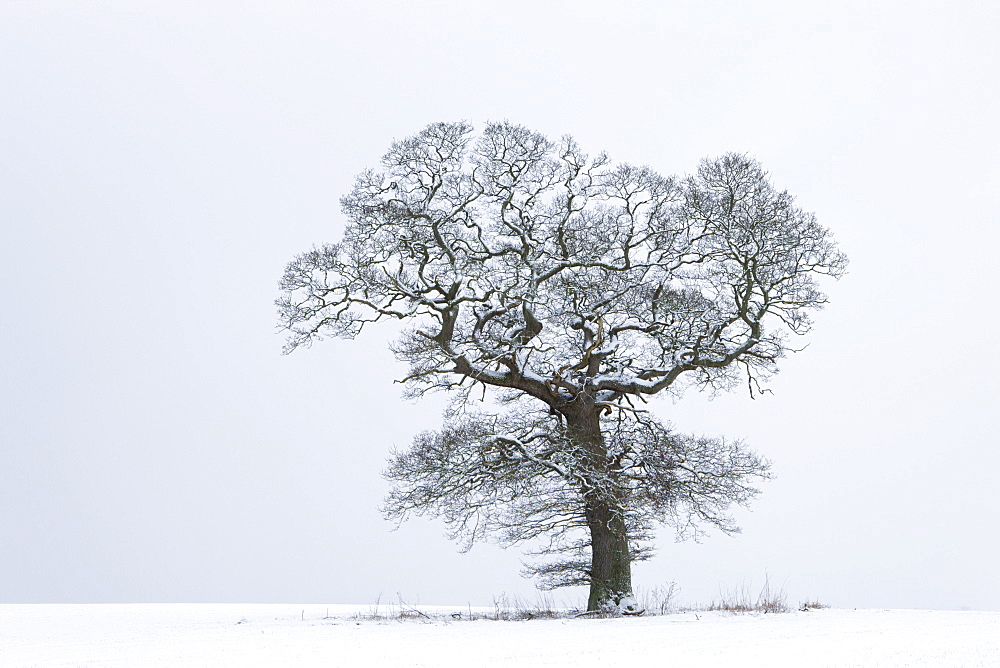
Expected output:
(616, 605)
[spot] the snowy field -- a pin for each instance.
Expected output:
(315, 635)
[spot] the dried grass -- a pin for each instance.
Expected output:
(742, 601)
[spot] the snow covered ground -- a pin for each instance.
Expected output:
(319, 635)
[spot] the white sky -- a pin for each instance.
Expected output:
(161, 162)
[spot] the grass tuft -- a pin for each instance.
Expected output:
(812, 605)
(741, 601)
(515, 609)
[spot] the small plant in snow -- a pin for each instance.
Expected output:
(742, 601)
(812, 605)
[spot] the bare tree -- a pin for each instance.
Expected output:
(579, 286)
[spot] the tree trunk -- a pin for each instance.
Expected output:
(611, 563)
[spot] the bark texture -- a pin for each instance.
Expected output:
(610, 557)
(611, 564)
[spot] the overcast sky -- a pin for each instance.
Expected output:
(160, 162)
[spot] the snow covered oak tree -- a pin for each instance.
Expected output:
(571, 289)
